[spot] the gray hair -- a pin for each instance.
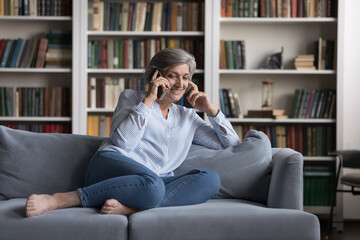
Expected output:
(167, 58)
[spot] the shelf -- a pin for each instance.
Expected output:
(36, 70)
(289, 120)
(319, 158)
(36, 18)
(145, 34)
(124, 71)
(277, 20)
(279, 72)
(99, 110)
(35, 119)
(319, 210)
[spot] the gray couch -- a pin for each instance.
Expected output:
(260, 195)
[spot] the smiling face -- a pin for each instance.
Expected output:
(179, 77)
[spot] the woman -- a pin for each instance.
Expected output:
(150, 138)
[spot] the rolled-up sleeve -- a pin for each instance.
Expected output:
(129, 121)
(213, 136)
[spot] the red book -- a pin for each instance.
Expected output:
(103, 45)
(299, 139)
(2, 46)
(294, 8)
(291, 137)
(131, 9)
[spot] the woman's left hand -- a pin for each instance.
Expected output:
(201, 101)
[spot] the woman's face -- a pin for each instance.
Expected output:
(178, 77)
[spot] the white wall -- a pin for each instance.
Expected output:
(349, 90)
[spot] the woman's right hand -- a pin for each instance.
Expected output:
(156, 81)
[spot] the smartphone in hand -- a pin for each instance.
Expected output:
(188, 90)
(160, 92)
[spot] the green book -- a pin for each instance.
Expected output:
(121, 53)
(229, 55)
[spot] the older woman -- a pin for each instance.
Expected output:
(150, 138)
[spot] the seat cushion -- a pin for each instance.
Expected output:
(71, 223)
(351, 179)
(244, 170)
(43, 163)
(223, 219)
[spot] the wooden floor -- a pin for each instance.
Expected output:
(351, 231)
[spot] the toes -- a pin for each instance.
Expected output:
(110, 202)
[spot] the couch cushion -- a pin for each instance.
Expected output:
(244, 169)
(223, 219)
(71, 223)
(42, 163)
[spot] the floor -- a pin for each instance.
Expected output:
(351, 231)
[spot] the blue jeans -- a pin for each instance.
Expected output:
(113, 175)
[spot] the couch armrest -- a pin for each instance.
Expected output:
(286, 183)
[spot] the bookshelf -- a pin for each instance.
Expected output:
(88, 34)
(27, 25)
(264, 36)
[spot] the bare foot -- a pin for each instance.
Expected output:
(38, 204)
(113, 206)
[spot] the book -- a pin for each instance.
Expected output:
(6, 52)
(41, 53)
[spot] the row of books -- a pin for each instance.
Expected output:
(325, 54)
(99, 125)
(146, 16)
(136, 53)
(35, 7)
(103, 92)
(53, 50)
(41, 127)
(314, 103)
(232, 54)
(310, 140)
(278, 8)
(230, 103)
(319, 184)
(35, 101)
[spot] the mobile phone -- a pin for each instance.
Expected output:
(188, 90)
(160, 92)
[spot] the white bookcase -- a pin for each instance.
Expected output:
(28, 27)
(85, 72)
(263, 37)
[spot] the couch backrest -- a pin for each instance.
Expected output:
(42, 162)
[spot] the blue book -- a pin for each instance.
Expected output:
(16, 53)
(273, 137)
(6, 53)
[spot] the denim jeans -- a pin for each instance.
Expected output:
(113, 175)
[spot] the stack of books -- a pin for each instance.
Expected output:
(268, 113)
(305, 62)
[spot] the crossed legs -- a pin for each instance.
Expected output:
(122, 186)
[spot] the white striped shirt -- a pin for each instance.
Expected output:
(160, 144)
